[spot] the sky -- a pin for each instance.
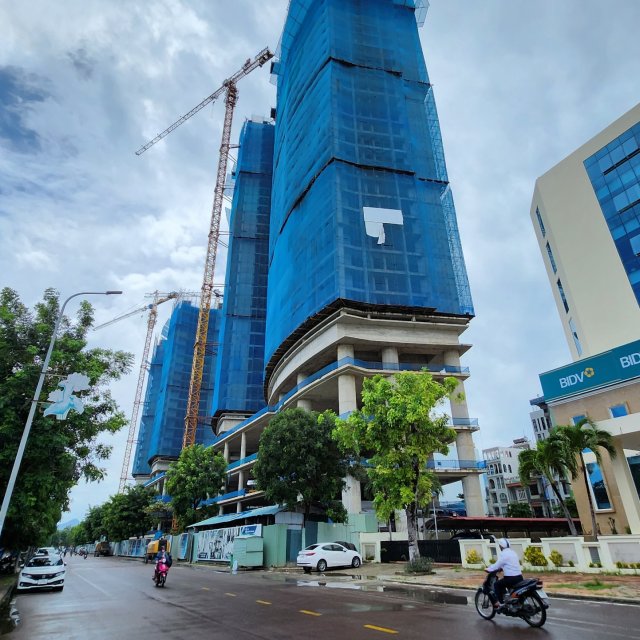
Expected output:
(84, 83)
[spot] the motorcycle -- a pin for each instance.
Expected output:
(160, 575)
(83, 553)
(526, 600)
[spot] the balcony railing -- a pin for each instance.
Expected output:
(455, 465)
(363, 364)
(239, 463)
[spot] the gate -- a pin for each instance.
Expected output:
(437, 550)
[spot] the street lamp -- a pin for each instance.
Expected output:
(34, 403)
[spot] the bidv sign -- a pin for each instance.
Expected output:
(576, 378)
(630, 360)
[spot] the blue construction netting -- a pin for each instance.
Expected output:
(357, 129)
(240, 367)
(162, 424)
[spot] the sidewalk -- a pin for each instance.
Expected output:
(612, 588)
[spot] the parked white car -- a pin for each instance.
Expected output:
(42, 572)
(323, 555)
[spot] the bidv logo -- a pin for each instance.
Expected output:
(576, 378)
(630, 360)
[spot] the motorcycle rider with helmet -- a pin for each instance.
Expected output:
(509, 563)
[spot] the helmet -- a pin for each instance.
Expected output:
(503, 543)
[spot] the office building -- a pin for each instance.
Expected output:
(586, 215)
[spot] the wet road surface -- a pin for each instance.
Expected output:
(116, 599)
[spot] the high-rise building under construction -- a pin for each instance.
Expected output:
(365, 268)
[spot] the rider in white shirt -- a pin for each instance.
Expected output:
(509, 563)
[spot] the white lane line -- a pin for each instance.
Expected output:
(91, 584)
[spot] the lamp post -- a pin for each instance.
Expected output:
(34, 403)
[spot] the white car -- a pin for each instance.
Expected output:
(323, 555)
(42, 572)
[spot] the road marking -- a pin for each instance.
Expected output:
(310, 613)
(262, 602)
(383, 629)
(233, 595)
(205, 589)
(95, 586)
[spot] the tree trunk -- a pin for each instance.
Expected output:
(567, 515)
(412, 531)
(594, 524)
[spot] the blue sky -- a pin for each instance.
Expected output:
(518, 85)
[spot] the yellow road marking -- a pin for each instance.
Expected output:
(310, 613)
(205, 588)
(383, 629)
(233, 595)
(262, 602)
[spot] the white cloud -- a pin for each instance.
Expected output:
(518, 85)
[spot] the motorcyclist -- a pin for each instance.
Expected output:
(162, 557)
(509, 563)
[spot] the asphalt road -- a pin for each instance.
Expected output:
(115, 599)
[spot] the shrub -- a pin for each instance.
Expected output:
(622, 565)
(419, 565)
(556, 558)
(535, 557)
(595, 565)
(473, 557)
(570, 563)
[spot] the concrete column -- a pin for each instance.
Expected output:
(390, 358)
(239, 507)
(626, 488)
(226, 452)
(243, 446)
(471, 486)
(240, 480)
(303, 403)
(348, 401)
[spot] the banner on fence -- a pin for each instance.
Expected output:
(217, 544)
(182, 546)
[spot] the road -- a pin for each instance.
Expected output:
(114, 598)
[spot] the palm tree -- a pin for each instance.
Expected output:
(547, 460)
(585, 435)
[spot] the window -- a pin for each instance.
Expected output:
(574, 334)
(618, 410)
(576, 419)
(542, 229)
(551, 259)
(564, 298)
(596, 480)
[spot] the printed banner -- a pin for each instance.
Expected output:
(217, 544)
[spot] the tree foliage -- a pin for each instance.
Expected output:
(198, 474)
(125, 514)
(58, 453)
(584, 435)
(519, 510)
(299, 463)
(547, 459)
(398, 430)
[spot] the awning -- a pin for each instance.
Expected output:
(230, 517)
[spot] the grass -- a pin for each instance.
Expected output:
(592, 585)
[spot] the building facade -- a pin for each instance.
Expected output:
(365, 266)
(161, 428)
(595, 277)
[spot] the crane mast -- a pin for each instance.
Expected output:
(229, 88)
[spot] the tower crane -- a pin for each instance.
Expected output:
(151, 322)
(229, 88)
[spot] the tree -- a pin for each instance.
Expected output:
(585, 435)
(125, 513)
(199, 473)
(398, 430)
(571, 505)
(299, 463)
(93, 524)
(519, 510)
(58, 453)
(548, 460)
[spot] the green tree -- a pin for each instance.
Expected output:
(398, 430)
(519, 510)
(299, 463)
(571, 505)
(93, 523)
(548, 460)
(125, 513)
(58, 453)
(578, 438)
(199, 473)
(79, 535)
